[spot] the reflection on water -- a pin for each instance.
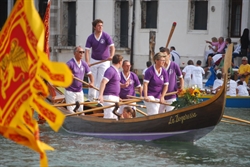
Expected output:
(227, 145)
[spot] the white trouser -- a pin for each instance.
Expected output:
(72, 97)
(187, 82)
(163, 107)
(98, 73)
(152, 108)
(108, 112)
(120, 110)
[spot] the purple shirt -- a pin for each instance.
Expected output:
(155, 82)
(78, 72)
(113, 85)
(130, 90)
(100, 48)
(173, 70)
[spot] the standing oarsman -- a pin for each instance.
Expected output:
(102, 49)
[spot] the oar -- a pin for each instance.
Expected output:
(72, 104)
(171, 33)
(140, 111)
(236, 123)
(98, 62)
(152, 101)
(86, 83)
(101, 108)
(236, 119)
(171, 93)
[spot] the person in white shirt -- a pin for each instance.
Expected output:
(148, 64)
(175, 56)
(217, 83)
(242, 78)
(187, 71)
(197, 75)
(241, 90)
(232, 87)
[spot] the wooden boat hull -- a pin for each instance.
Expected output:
(233, 102)
(186, 124)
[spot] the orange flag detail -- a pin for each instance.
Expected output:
(23, 65)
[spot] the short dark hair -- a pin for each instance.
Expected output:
(190, 62)
(117, 59)
(124, 61)
(96, 21)
(163, 49)
(198, 62)
(172, 47)
(149, 63)
(229, 40)
(219, 75)
(240, 82)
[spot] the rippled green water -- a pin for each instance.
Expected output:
(228, 145)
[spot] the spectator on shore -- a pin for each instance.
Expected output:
(241, 90)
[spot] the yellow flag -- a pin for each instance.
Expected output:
(23, 66)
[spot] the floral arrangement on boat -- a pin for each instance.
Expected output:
(187, 97)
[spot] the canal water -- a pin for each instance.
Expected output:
(227, 145)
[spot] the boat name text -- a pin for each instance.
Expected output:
(177, 118)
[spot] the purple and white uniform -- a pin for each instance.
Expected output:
(156, 82)
(173, 70)
(130, 90)
(100, 51)
(74, 92)
(112, 90)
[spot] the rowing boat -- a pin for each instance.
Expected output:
(186, 124)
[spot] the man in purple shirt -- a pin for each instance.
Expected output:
(102, 49)
(129, 81)
(110, 86)
(79, 68)
(173, 71)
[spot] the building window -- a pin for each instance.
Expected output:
(235, 11)
(3, 12)
(198, 14)
(121, 36)
(149, 10)
(42, 7)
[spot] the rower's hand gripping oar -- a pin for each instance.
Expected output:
(86, 83)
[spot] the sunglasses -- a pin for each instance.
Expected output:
(81, 52)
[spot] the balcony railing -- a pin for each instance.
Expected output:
(121, 41)
(64, 40)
